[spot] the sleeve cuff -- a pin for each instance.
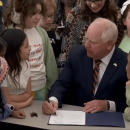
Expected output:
(112, 106)
(53, 99)
(10, 107)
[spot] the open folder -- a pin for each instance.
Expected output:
(64, 117)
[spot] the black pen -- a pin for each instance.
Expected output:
(51, 105)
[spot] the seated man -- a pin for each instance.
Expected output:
(97, 70)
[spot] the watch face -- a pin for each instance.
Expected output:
(12, 108)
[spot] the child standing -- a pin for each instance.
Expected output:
(17, 85)
(46, 22)
(6, 109)
(125, 11)
(127, 110)
(25, 15)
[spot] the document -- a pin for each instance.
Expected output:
(64, 117)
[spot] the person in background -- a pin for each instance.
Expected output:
(96, 73)
(127, 110)
(17, 84)
(6, 110)
(25, 15)
(79, 20)
(64, 7)
(46, 22)
(125, 43)
(3, 4)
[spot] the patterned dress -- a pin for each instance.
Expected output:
(75, 33)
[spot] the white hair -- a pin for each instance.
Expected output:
(110, 32)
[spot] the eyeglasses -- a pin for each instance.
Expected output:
(49, 16)
(93, 1)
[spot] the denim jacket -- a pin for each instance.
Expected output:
(7, 111)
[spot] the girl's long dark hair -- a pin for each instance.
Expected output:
(14, 39)
(60, 14)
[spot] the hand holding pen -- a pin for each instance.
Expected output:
(49, 107)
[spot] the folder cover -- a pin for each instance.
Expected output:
(105, 119)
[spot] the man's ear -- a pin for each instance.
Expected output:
(110, 45)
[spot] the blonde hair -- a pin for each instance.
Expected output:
(110, 32)
(51, 3)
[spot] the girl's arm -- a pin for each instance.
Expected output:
(22, 97)
(128, 93)
(19, 105)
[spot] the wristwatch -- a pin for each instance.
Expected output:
(108, 104)
(10, 107)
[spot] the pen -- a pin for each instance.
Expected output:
(51, 105)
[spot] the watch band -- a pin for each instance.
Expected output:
(108, 105)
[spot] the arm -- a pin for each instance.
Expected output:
(128, 95)
(22, 97)
(49, 59)
(62, 85)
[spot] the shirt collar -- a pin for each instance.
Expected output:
(107, 58)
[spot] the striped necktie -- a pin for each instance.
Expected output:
(95, 74)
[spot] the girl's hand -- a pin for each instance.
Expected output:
(18, 114)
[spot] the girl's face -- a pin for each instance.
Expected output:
(95, 5)
(25, 50)
(48, 18)
(127, 21)
(32, 21)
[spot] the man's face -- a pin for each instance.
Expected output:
(96, 48)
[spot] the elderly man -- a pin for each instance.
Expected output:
(96, 70)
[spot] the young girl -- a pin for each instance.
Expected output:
(125, 43)
(6, 109)
(17, 85)
(25, 15)
(127, 110)
(46, 22)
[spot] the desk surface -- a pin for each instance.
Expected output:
(42, 120)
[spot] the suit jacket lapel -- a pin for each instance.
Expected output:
(110, 70)
(89, 74)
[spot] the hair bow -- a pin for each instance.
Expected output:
(124, 6)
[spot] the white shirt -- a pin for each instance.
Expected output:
(102, 67)
(36, 59)
(22, 80)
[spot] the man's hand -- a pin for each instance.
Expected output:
(18, 114)
(47, 108)
(95, 106)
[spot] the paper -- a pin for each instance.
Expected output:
(64, 117)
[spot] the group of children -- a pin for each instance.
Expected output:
(31, 55)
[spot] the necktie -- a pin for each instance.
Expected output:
(95, 74)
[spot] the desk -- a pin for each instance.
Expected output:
(42, 120)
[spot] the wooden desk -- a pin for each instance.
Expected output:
(42, 120)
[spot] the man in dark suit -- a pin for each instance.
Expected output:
(96, 70)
